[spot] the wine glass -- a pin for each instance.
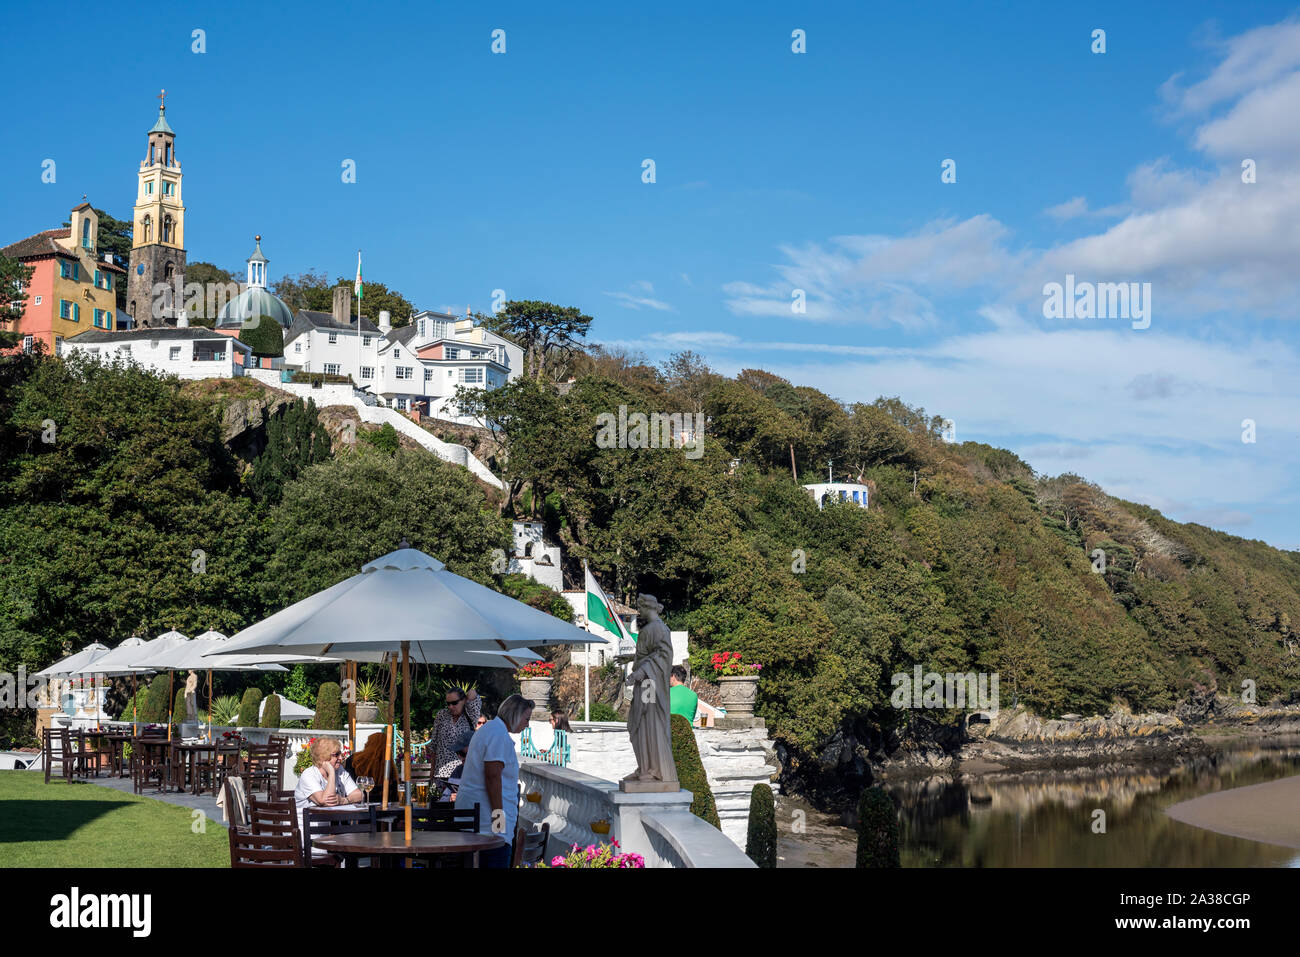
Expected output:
(366, 782)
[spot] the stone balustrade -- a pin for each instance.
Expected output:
(659, 827)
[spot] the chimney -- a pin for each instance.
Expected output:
(182, 323)
(343, 304)
(385, 321)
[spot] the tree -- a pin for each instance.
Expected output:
(303, 291)
(877, 830)
(295, 441)
(264, 336)
(271, 712)
(114, 236)
(249, 706)
(14, 278)
(329, 708)
(312, 290)
(688, 378)
(550, 335)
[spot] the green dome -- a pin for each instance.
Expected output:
(251, 303)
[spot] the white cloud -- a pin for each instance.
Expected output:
(641, 298)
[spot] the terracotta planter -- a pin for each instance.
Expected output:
(538, 690)
(738, 694)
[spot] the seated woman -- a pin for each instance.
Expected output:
(557, 752)
(325, 783)
(369, 763)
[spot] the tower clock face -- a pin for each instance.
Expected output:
(139, 270)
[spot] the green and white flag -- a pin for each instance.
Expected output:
(357, 288)
(602, 619)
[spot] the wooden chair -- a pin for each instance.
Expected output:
(57, 745)
(444, 816)
(319, 821)
(259, 768)
(213, 767)
(529, 849)
(151, 759)
(95, 753)
(264, 850)
(271, 816)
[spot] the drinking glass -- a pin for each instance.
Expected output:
(366, 783)
(422, 793)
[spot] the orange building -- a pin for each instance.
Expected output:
(72, 288)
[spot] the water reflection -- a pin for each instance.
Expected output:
(1046, 819)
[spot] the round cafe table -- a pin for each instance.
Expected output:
(422, 844)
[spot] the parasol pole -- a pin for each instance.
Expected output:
(209, 706)
(388, 760)
(352, 706)
(135, 705)
(171, 700)
(406, 730)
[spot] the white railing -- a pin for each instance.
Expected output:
(659, 827)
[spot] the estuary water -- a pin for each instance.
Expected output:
(1092, 817)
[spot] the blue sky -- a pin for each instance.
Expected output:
(774, 171)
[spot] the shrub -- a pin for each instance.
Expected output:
(690, 771)
(271, 713)
(600, 712)
(760, 842)
(877, 830)
(178, 707)
(248, 707)
(303, 761)
(263, 335)
(385, 439)
(329, 708)
(156, 704)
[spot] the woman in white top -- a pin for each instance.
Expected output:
(491, 776)
(325, 783)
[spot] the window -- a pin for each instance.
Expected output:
(153, 154)
(209, 351)
(367, 372)
(471, 376)
(297, 347)
(334, 338)
(147, 228)
(397, 353)
(331, 368)
(65, 309)
(102, 319)
(365, 341)
(37, 301)
(85, 234)
(401, 404)
(404, 372)
(169, 154)
(421, 328)
(148, 188)
(174, 353)
(453, 353)
(98, 280)
(167, 229)
(428, 374)
(169, 188)
(65, 269)
(27, 344)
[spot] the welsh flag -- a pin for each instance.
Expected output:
(602, 620)
(357, 289)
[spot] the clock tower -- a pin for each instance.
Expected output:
(157, 263)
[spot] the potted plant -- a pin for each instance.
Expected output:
(367, 701)
(597, 855)
(737, 682)
(535, 680)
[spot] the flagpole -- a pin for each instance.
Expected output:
(357, 381)
(586, 652)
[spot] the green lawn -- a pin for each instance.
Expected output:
(82, 825)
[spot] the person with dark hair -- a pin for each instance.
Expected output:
(461, 715)
(683, 700)
(557, 752)
(453, 781)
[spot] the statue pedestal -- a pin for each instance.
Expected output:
(649, 787)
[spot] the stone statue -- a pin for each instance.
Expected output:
(191, 686)
(647, 722)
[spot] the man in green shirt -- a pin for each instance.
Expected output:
(682, 699)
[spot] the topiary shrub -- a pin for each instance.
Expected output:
(600, 711)
(263, 335)
(760, 842)
(690, 771)
(155, 701)
(248, 707)
(877, 830)
(178, 707)
(329, 708)
(271, 713)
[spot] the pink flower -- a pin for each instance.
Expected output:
(557, 861)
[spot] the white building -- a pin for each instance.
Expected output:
(534, 558)
(416, 367)
(824, 492)
(191, 353)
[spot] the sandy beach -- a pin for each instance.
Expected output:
(1269, 812)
